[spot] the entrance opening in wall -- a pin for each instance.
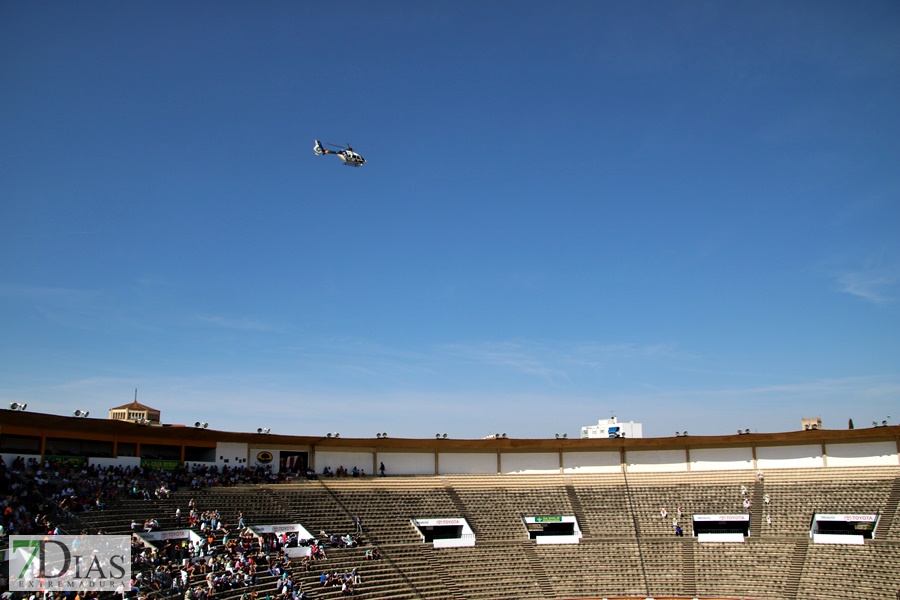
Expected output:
(721, 528)
(842, 528)
(553, 529)
(445, 533)
(291, 461)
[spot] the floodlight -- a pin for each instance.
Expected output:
(200, 425)
(17, 406)
(80, 413)
(445, 436)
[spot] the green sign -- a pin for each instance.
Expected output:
(159, 463)
(67, 460)
(548, 519)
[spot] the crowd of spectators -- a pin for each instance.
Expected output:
(48, 497)
(340, 472)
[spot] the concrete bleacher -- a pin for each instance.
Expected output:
(755, 569)
(495, 506)
(796, 496)
(629, 550)
(869, 570)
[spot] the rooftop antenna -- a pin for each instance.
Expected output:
(135, 394)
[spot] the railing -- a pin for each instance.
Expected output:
(374, 543)
(637, 533)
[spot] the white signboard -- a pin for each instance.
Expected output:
(720, 537)
(279, 529)
(440, 522)
(846, 518)
(542, 520)
(721, 517)
(158, 536)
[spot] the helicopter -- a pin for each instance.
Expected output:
(347, 155)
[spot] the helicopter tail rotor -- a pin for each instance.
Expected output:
(318, 149)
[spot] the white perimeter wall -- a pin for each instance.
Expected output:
(721, 459)
(234, 452)
(592, 462)
(638, 461)
(411, 463)
(10, 457)
(348, 459)
(656, 461)
(872, 454)
(531, 462)
(467, 464)
(789, 457)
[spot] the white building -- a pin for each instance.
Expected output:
(612, 428)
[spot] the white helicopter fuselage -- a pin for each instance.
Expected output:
(351, 159)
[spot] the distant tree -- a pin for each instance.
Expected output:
(850, 424)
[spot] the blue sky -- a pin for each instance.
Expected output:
(685, 214)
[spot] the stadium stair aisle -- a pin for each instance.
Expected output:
(438, 567)
(688, 568)
(537, 569)
(460, 506)
(795, 572)
(887, 518)
(757, 502)
(578, 509)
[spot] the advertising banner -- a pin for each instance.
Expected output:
(160, 463)
(847, 518)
